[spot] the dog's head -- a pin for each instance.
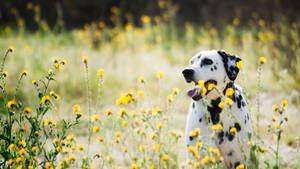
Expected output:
(213, 66)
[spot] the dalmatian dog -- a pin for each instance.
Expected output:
(219, 68)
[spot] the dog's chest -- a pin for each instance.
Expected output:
(197, 118)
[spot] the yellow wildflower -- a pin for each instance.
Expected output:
(145, 19)
(160, 74)
(275, 107)
(24, 73)
(274, 118)
(241, 166)
(54, 60)
(232, 130)
(205, 160)
(55, 141)
(204, 91)
(159, 125)
(284, 102)
(100, 73)
(134, 166)
(99, 139)
(10, 161)
(63, 62)
(118, 140)
(229, 101)
(286, 118)
(173, 133)
(95, 118)
(165, 158)
(21, 152)
(108, 112)
(22, 143)
(170, 98)
(80, 147)
(211, 86)
(27, 110)
(221, 104)
(262, 149)
(48, 122)
(152, 136)
(140, 93)
(76, 108)
(33, 148)
(34, 82)
(239, 64)
(19, 159)
(45, 99)
(124, 123)
(11, 104)
(175, 91)
(262, 60)
(229, 92)
(5, 73)
(277, 125)
(48, 165)
(11, 49)
(11, 147)
(84, 59)
(58, 66)
(141, 79)
(201, 83)
(95, 129)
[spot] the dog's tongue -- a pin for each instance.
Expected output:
(192, 93)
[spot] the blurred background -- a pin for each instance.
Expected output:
(133, 38)
(76, 13)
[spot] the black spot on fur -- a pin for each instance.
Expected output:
(237, 126)
(230, 153)
(230, 136)
(243, 104)
(193, 104)
(215, 110)
(221, 137)
(248, 116)
(245, 121)
(200, 120)
(211, 69)
(239, 101)
(236, 164)
(215, 67)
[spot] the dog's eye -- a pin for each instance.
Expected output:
(206, 61)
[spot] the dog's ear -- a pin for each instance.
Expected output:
(230, 64)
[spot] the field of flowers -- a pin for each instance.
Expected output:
(114, 97)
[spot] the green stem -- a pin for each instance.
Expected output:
(4, 58)
(18, 86)
(277, 148)
(89, 105)
(259, 69)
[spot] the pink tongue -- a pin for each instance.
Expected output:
(192, 93)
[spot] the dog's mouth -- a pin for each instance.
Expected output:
(196, 94)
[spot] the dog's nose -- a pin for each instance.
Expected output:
(188, 73)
